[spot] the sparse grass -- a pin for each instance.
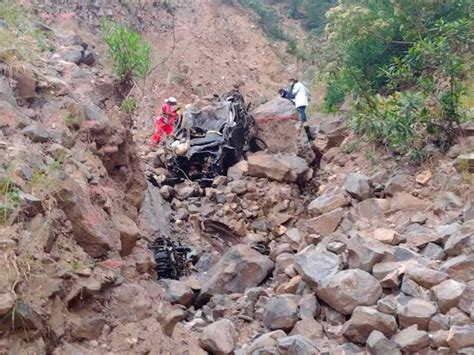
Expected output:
(45, 181)
(349, 148)
(371, 156)
(72, 120)
(9, 196)
(128, 105)
(21, 40)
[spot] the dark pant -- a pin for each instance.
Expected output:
(301, 111)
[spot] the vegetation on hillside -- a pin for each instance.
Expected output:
(405, 65)
(128, 52)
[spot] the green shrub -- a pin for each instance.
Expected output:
(405, 65)
(129, 53)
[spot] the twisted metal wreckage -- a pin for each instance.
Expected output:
(209, 138)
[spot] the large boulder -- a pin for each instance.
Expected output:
(278, 126)
(416, 312)
(366, 319)
(219, 337)
(327, 203)
(460, 268)
(358, 186)
(93, 229)
(178, 292)
(461, 337)
(378, 344)
(411, 340)
(281, 312)
(315, 264)
(296, 345)
(154, 213)
(447, 294)
(288, 168)
(266, 342)
(326, 223)
(348, 289)
(240, 268)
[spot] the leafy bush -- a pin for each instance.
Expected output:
(405, 66)
(129, 53)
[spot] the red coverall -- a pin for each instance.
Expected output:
(164, 123)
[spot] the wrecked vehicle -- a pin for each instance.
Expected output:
(210, 138)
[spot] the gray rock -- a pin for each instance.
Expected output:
(348, 289)
(447, 294)
(219, 337)
(433, 251)
(416, 312)
(315, 264)
(178, 292)
(266, 341)
(281, 312)
(36, 133)
(238, 171)
(240, 268)
(7, 301)
(411, 288)
(397, 183)
(286, 168)
(296, 345)
(309, 307)
(358, 186)
(309, 328)
(6, 92)
(461, 242)
(411, 340)
(425, 277)
(460, 268)
(366, 319)
(154, 213)
(461, 337)
(326, 203)
(94, 113)
(378, 344)
(326, 223)
(74, 54)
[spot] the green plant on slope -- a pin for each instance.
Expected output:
(9, 197)
(129, 53)
(404, 65)
(128, 105)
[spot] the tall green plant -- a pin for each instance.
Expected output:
(128, 52)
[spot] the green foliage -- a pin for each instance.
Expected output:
(349, 147)
(404, 63)
(266, 17)
(128, 105)
(9, 196)
(129, 53)
(72, 120)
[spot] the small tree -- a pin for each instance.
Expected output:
(129, 54)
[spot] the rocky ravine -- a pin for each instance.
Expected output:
(364, 255)
(380, 261)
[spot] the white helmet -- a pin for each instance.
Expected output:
(171, 100)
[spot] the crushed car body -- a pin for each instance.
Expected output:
(209, 137)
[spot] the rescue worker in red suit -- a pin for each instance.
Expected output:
(165, 120)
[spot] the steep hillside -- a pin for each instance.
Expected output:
(324, 244)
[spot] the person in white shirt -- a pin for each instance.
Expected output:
(300, 98)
